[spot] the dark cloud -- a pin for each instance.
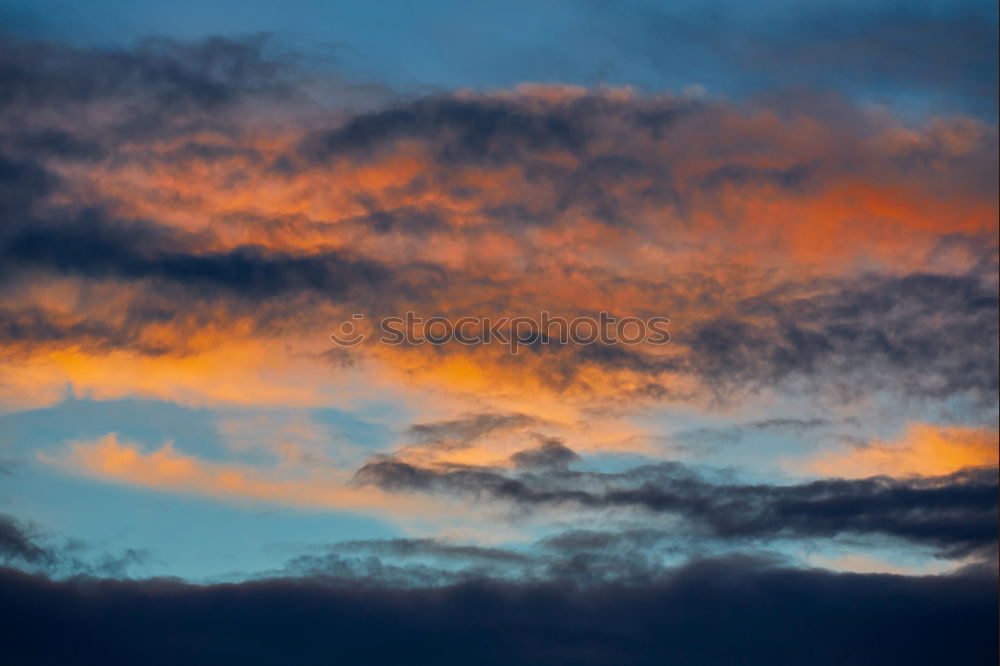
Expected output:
(551, 453)
(579, 558)
(469, 428)
(795, 425)
(22, 183)
(463, 131)
(18, 544)
(170, 86)
(713, 439)
(956, 514)
(30, 548)
(36, 326)
(412, 563)
(927, 335)
(58, 143)
(435, 548)
(95, 247)
(401, 219)
(741, 175)
(714, 611)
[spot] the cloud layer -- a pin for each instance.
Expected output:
(712, 611)
(848, 249)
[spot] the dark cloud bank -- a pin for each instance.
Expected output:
(354, 606)
(726, 611)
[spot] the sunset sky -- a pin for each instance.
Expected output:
(194, 196)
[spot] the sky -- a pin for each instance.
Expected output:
(210, 210)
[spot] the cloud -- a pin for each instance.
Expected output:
(924, 450)
(203, 204)
(18, 543)
(707, 610)
(467, 429)
(492, 131)
(98, 249)
(31, 549)
(167, 468)
(955, 513)
(793, 424)
(922, 334)
(409, 563)
(164, 80)
(550, 453)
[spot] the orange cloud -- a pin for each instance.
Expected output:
(725, 173)
(721, 206)
(168, 469)
(923, 450)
